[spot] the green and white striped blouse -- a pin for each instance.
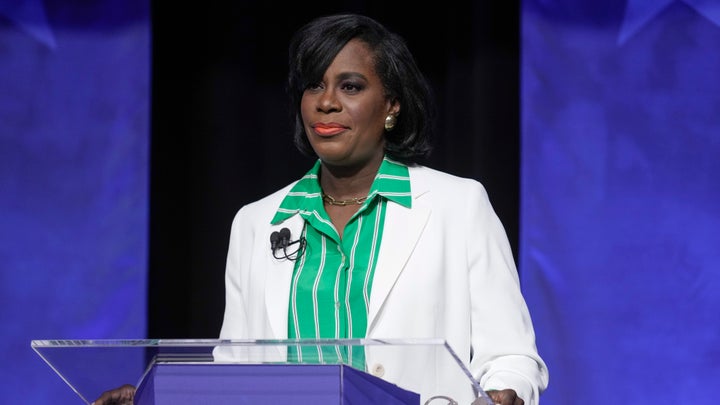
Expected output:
(332, 280)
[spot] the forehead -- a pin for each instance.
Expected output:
(355, 56)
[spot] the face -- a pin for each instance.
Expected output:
(344, 115)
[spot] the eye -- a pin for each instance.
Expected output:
(314, 86)
(351, 87)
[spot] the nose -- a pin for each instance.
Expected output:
(328, 102)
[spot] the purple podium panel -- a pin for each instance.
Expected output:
(238, 384)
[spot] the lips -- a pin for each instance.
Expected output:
(328, 129)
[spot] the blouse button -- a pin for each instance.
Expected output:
(378, 370)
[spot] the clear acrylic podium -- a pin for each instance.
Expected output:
(213, 371)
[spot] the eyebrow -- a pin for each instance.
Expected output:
(351, 75)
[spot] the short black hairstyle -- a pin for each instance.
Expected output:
(313, 48)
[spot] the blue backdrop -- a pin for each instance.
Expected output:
(620, 224)
(620, 217)
(74, 114)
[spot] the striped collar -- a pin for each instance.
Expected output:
(392, 182)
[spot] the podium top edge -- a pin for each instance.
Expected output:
(47, 343)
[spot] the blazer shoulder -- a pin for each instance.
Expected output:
(425, 178)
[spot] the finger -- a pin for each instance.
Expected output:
(496, 396)
(121, 395)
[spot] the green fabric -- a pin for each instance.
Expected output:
(332, 279)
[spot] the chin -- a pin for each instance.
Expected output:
(332, 155)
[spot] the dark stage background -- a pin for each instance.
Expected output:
(220, 134)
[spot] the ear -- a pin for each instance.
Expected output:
(394, 107)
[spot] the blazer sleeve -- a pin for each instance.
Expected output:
(504, 353)
(235, 320)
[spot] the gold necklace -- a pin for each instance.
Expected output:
(353, 201)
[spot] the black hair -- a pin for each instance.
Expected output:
(313, 48)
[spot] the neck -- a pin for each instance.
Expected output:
(345, 183)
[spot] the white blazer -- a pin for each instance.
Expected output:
(445, 270)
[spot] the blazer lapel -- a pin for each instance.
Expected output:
(278, 278)
(401, 231)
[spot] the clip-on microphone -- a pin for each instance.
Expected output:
(281, 241)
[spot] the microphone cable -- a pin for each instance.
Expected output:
(280, 242)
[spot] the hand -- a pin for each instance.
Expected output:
(122, 395)
(505, 397)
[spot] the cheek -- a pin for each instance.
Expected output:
(364, 115)
(305, 109)
(372, 119)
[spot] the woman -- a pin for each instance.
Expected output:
(383, 247)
